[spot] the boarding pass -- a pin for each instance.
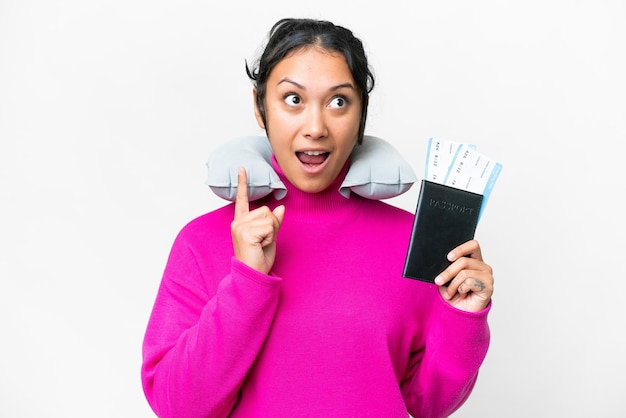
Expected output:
(461, 166)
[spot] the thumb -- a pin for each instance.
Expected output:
(279, 212)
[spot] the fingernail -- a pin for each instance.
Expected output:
(451, 255)
(439, 279)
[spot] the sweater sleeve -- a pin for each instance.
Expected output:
(198, 347)
(442, 373)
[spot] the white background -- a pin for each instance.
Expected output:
(109, 110)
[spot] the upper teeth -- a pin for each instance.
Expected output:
(313, 152)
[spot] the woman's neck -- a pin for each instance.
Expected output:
(325, 206)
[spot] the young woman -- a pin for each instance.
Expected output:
(298, 307)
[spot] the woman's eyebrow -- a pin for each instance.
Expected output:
(288, 80)
(342, 86)
(300, 86)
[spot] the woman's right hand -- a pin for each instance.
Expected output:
(254, 232)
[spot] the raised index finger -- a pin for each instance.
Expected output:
(242, 205)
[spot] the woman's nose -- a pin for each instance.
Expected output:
(315, 124)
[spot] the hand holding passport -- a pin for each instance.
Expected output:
(457, 183)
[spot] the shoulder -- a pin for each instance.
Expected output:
(385, 220)
(208, 225)
(379, 207)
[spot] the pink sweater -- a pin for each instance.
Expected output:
(333, 331)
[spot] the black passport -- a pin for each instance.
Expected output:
(445, 217)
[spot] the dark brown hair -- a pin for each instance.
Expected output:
(288, 35)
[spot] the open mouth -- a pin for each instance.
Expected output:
(312, 158)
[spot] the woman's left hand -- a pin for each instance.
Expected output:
(470, 278)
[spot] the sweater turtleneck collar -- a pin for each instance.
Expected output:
(327, 206)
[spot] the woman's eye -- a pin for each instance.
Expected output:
(338, 102)
(292, 99)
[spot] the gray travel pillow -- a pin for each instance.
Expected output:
(377, 170)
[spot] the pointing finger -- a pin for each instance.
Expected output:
(242, 205)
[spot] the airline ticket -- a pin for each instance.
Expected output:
(461, 166)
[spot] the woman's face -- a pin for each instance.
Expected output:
(312, 109)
